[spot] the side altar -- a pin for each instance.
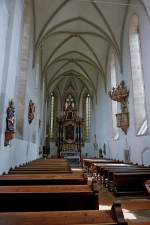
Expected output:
(70, 127)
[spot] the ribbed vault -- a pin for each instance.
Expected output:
(74, 37)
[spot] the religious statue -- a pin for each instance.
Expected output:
(31, 111)
(10, 123)
(10, 119)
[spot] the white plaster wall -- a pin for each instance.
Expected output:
(88, 150)
(137, 144)
(4, 17)
(115, 149)
(19, 151)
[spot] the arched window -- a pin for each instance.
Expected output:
(137, 77)
(69, 102)
(114, 103)
(88, 115)
(52, 115)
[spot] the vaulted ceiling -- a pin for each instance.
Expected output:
(74, 37)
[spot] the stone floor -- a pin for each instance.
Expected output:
(136, 209)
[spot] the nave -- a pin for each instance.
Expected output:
(74, 87)
(60, 195)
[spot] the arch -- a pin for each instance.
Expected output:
(93, 4)
(67, 73)
(50, 18)
(78, 65)
(86, 21)
(74, 52)
(80, 54)
(64, 42)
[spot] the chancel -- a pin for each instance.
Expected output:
(74, 112)
(70, 130)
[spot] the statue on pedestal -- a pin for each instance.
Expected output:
(10, 123)
(10, 119)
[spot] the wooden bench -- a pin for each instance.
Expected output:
(99, 167)
(48, 197)
(43, 179)
(42, 169)
(39, 171)
(43, 166)
(107, 173)
(130, 183)
(92, 217)
(88, 163)
(47, 163)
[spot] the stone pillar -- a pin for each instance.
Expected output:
(21, 80)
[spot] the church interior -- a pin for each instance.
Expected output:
(75, 112)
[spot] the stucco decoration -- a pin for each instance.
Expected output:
(31, 111)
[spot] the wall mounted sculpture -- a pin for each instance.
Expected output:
(10, 123)
(31, 111)
(120, 94)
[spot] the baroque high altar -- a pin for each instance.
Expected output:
(70, 129)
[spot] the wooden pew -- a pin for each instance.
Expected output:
(87, 163)
(92, 217)
(130, 183)
(44, 166)
(39, 172)
(99, 167)
(42, 169)
(48, 197)
(107, 173)
(47, 163)
(44, 179)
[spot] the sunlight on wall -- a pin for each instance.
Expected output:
(114, 103)
(137, 77)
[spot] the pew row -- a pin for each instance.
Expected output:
(88, 163)
(43, 165)
(48, 197)
(44, 179)
(130, 183)
(97, 168)
(39, 171)
(88, 217)
(106, 173)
